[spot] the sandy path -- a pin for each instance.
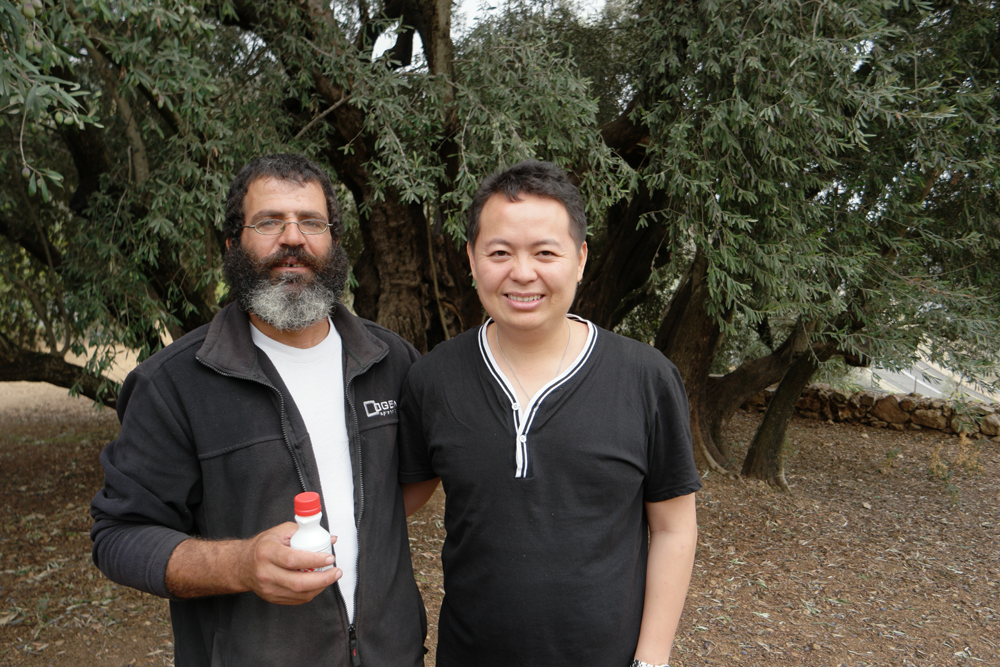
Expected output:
(30, 401)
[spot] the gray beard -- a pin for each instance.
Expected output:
(289, 302)
(291, 306)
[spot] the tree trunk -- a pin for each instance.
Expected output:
(727, 393)
(627, 257)
(689, 336)
(400, 266)
(765, 459)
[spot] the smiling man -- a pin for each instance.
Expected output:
(221, 429)
(564, 451)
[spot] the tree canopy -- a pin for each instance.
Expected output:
(822, 174)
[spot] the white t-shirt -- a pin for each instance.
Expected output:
(315, 380)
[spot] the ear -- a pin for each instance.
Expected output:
(229, 242)
(472, 260)
(582, 262)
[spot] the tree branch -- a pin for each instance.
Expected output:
(33, 247)
(17, 365)
(343, 100)
(140, 162)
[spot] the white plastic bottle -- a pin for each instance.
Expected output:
(310, 536)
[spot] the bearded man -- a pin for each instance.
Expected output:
(283, 392)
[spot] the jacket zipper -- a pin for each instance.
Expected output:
(353, 643)
(351, 629)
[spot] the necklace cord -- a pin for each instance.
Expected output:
(496, 336)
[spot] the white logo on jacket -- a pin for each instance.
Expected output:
(380, 408)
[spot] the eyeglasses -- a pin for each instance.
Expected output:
(273, 227)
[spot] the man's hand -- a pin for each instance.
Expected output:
(264, 564)
(273, 570)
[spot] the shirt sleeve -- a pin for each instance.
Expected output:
(414, 457)
(142, 513)
(672, 471)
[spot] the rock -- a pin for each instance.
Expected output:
(755, 402)
(866, 398)
(888, 410)
(897, 427)
(930, 419)
(942, 405)
(809, 401)
(822, 402)
(848, 413)
(963, 424)
(980, 409)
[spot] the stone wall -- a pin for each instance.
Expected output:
(902, 412)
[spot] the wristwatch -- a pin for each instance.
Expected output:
(636, 662)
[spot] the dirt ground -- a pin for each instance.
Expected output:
(884, 553)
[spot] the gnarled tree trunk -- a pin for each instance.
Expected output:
(765, 459)
(727, 393)
(689, 336)
(406, 277)
(627, 258)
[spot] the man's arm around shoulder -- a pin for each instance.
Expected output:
(416, 494)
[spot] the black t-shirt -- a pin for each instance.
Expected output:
(545, 557)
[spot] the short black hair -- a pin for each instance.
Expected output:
(282, 166)
(542, 179)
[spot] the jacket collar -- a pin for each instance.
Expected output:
(229, 348)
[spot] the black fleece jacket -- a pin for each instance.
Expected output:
(212, 445)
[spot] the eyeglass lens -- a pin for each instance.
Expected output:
(271, 227)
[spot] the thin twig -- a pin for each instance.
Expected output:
(36, 304)
(343, 99)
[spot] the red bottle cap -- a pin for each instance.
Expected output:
(307, 504)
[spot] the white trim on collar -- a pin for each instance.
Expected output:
(524, 415)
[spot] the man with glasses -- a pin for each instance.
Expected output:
(283, 392)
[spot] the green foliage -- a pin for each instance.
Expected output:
(180, 100)
(30, 50)
(519, 96)
(835, 163)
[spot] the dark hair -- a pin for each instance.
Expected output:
(286, 167)
(542, 179)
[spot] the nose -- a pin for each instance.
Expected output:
(523, 270)
(291, 235)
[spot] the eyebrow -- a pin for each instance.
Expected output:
(505, 242)
(301, 215)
